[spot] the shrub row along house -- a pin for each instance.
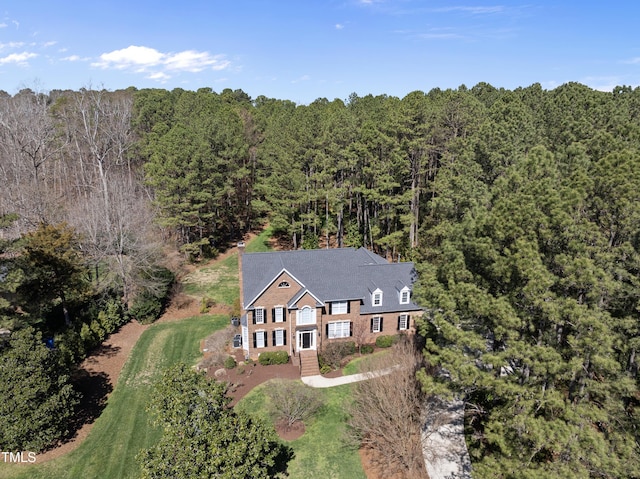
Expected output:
(301, 301)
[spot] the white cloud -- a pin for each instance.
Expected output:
(18, 58)
(3, 25)
(156, 64)
(302, 78)
(49, 44)
(193, 61)
(71, 58)
(11, 45)
(339, 26)
(159, 76)
(130, 57)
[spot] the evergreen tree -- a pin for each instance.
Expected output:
(204, 437)
(38, 401)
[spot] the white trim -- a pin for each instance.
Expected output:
(312, 319)
(339, 327)
(281, 332)
(245, 338)
(376, 294)
(263, 316)
(402, 293)
(405, 318)
(262, 333)
(299, 334)
(344, 307)
(374, 320)
(306, 291)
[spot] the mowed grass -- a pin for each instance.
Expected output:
(355, 366)
(220, 281)
(323, 451)
(123, 429)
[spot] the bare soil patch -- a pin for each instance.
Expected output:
(290, 433)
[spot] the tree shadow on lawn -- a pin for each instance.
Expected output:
(94, 388)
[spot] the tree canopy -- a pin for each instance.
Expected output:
(38, 402)
(204, 437)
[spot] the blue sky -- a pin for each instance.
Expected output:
(302, 50)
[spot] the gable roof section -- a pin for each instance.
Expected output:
(293, 303)
(266, 286)
(330, 275)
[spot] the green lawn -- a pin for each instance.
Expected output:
(355, 366)
(123, 428)
(220, 281)
(322, 451)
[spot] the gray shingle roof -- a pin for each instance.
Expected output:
(331, 275)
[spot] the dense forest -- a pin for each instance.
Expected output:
(520, 209)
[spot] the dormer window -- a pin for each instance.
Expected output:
(376, 298)
(283, 284)
(405, 295)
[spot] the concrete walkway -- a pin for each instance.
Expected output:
(322, 382)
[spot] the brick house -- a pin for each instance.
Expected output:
(300, 301)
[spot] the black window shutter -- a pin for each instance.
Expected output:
(381, 328)
(350, 328)
(327, 329)
(255, 341)
(264, 336)
(273, 315)
(253, 316)
(329, 308)
(348, 307)
(273, 337)
(284, 337)
(284, 314)
(399, 319)
(371, 326)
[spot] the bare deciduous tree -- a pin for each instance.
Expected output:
(120, 236)
(293, 401)
(28, 143)
(387, 412)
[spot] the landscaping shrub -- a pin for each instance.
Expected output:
(215, 346)
(366, 349)
(206, 304)
(386, 341)
(325, 368)
(292, 401)
(230, 362)
(273, 357)
(333, 353)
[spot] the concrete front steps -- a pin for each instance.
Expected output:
(309, 363)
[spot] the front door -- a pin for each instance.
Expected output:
(306, 339)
